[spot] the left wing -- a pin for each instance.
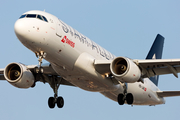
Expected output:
(149, 67)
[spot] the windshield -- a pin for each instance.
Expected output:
(40, 17)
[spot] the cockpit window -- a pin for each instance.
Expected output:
(31, 16)
(22, 16)
(45, 19)
(40, 17)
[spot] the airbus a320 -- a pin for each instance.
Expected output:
(75, 60)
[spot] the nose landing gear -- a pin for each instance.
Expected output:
(41, 55)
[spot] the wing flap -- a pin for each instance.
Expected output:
(159, 67)
(168, 93)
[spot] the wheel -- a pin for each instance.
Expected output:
(120, 99)
(51, 102)
(129, 98)
(34, 84)
(60, 102)
(41, 70)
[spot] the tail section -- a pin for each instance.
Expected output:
(156, 53)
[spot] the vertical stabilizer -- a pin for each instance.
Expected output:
(156, 53)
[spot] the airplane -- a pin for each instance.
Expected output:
(75, 60)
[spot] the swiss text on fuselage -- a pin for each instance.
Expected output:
(68, 29)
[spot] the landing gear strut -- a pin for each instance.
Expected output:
(128, 97)
(41, 55)
(55, 83)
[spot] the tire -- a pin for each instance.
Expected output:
(60, 102)
(120, 99)
(51, 102)
(129, 98)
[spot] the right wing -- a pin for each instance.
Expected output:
(153, 64)
(152, 67)
(149, 67)
(168, 93)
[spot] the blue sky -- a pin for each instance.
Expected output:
(125, 28)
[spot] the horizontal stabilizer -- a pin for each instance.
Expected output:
(168, 93)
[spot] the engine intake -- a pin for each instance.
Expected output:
(125, 70)
(18, 75)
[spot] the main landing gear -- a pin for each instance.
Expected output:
(54, 82)
(128, 97)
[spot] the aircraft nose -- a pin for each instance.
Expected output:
(19, 28)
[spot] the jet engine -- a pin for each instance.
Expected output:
(125, 70)
(18, 75)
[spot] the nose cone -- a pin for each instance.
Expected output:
(19, 28)
(27, 34)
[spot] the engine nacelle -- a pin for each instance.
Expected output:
(125, 70)
(18, 75)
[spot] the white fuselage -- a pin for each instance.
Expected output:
(71, 55)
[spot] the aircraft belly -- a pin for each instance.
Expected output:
(143, 95)
(86, 77)
(86, 81)
(113, 94)
(92, 84)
